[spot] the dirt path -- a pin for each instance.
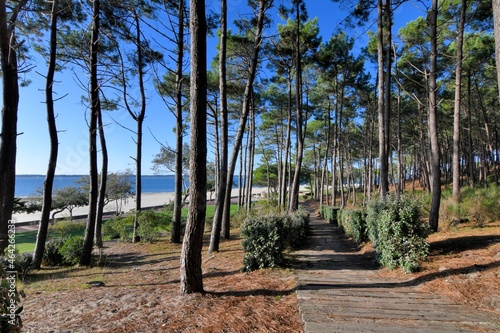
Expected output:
(340, 290)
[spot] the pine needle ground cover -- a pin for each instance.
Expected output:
(141, 294)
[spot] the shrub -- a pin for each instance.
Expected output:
(123, 227)
(66, 228)
(296, 226)
(149, 226)
(354, 224)
(51, 255)
(265, 238)
(72, 250)
(397, 233)
(263, 242)
(329, 213)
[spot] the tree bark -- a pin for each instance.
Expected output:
(190, 272)
(294, 193)
(456, 110)
(54, 143)
(10, 101)
(433, 131)
(175, 236)
(88, 242)
(139, 118)
(263, 6)
(384, 171)
(101, 200)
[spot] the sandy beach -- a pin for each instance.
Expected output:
(149, 200)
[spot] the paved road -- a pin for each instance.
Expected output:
(339, 290)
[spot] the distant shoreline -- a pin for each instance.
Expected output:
(148, 199)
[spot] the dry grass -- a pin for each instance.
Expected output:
(141, 294)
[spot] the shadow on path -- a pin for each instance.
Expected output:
(340, 290)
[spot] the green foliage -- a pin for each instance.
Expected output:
(10, 320)
(263, 242)
(329, 213)
(71, 250)
(63, 251)
(151, 225)
(296, 228)
(66, 228)
(397, 233)
(479, 205)
(354, 224)
(121, 227)
(51, 255)
(265, 238)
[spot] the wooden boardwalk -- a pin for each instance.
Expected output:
(339, 290)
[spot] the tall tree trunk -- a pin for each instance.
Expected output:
(175, 235)
(10, 100)
(101, 200)
(496, 23)
(41, 236)
(88, 242)
(294, 193)
(458, 100)
(190, 272)
(251, 154)
(387, 95)
(470, 147)
(139, 118)
(222, 181)
(285, 179)
(433, 131)
(401, 179)
(263, 6)
(384, 168)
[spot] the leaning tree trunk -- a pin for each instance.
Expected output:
(190, 271)
(244, 115)
(88, 242)
(54, 144)
(433, 131)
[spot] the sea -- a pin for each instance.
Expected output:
(28, 185)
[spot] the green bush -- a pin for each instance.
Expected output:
(354, 224)
(65, 228)
(329, 213)
(72, 250)
(51, 255)
(263, 242)
(265, 238)
(123, 227)
(149, 226)
(296, 226)
(397, 233)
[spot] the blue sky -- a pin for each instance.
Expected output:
(33, 144)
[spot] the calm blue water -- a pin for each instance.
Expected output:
(27, 185)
